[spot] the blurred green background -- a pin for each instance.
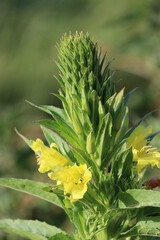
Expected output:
(129, 31)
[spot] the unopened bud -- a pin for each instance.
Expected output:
(91, 148)
(101, 111)
(119, 116)
(85, 104)
(76, 122)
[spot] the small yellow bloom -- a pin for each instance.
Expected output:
(147, 156)
(142, 154)
(48, 158)
(137, 139)
(74, 180)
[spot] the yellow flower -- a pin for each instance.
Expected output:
(137, 139)
(48, 158)
(143, 154)
(147, 156)
(74, 180)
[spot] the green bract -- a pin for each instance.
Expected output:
(92, 131)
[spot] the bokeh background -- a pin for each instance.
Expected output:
(129, 31)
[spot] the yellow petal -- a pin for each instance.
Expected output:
(137, 139)
(74, 179)
(149, 158)
(48, 158)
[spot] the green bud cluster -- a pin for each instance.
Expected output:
(91, 103)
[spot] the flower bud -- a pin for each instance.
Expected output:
(76, 122)
(91, 148)
(119, 116)
(85, 104)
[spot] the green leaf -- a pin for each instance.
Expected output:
(57, 113)
(110, 103)
(59, 80)
(128, 133)
(101, 112)
(103, 140)
(63, 146)
(76, 120)
(118, 100)
(33, 230)
(66, 105)
(118, 110)
(118, 116)
(34, 188)
(106, 71)
(63, 130)
(26, 140)
(146, 227)
(115, 224)
(122, 169)
(139, 198)
(87, 126)
(151, 136)
(84, 100)
(127, 97)
(79, 222)
(94, 108)
(124, 126)
(90, 145)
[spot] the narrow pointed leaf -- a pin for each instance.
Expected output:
(63, 130)
(151, 136)
(57, 113)
(127, 97)
(137, 124)
(26, 140)
(53, 137)
(59, 80)
(103, 140)
(124, 126)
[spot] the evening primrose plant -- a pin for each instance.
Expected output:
(98, 166)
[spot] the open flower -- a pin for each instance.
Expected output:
(143, 154)
(48, 158)
(74, 180)
(148, 156)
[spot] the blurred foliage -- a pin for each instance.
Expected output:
(128, 30)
